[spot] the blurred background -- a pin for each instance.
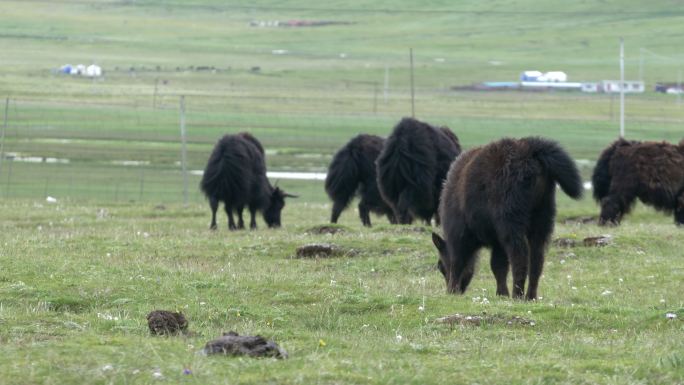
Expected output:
(99, 98)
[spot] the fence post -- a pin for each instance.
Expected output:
(679, 88)
(154, 96)
(142, 183)
(622, 88)
(184, 150)
(413, 102)
(386, 90)
(375, 99)
(9, 178)
(2, 136)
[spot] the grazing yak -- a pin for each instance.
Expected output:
(502, 195)
(412, 167)
(650, 171)
(236, 175)
(352, 171)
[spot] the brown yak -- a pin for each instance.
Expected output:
(502, 195)
(650, 171)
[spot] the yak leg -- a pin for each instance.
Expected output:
(463, 265)
(466, 257)
(336, 211)
(539, 234)
(537, 248)
(618, 202)
(679, 210)
(390, 217)
(241, 222)
(518, 252)
(364, 214)
(214, 204)
(403, 206)
(252, 218)
(499, 264)
(231, 222)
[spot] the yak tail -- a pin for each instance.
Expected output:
(601, 177)
(560, 166)
(343, 177)
(221, 172)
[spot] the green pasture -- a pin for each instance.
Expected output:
(77, 277)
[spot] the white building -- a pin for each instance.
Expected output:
(630, 86)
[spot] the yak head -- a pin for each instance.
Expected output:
(275, 206)
(611, 212)
(445, 266)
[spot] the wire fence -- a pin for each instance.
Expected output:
(129, 147)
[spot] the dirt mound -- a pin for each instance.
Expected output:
(581, 220)
(233, 344)
(326, 229)
(163, 322)
(599, 241)
(322, 250)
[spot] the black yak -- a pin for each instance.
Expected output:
(502, 195)
(352, 171)
(236, 175)
(412, 167)
(650, 171)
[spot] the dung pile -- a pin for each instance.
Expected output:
(164, 322)
(233, 344)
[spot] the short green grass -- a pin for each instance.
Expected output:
(78, 279)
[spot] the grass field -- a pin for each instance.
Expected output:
(78, 277)
(78, 280)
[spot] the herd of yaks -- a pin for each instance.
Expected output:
(500, 195)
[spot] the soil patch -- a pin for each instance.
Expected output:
(581, 220)
(600, 241)
(323, 250)
(565, 242)
(326, 229)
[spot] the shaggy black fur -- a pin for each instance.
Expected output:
(352, 172)
(502, 196)
(412, 168)
(236, 175)
(164, 322)
(650, 171)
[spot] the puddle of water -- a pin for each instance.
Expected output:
(296, 175)
(15, 157)
(283, 175)
(131, 162)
